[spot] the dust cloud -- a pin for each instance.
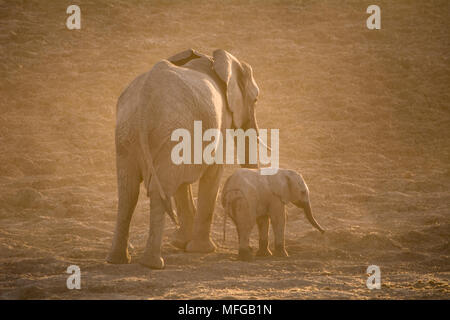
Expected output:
(363, 114)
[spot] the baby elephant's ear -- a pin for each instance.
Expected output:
(279, 184)
(287, 185)
(297, 187)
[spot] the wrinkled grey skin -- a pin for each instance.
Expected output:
(219, 91)
(250, 198)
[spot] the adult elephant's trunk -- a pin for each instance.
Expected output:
(308, 213)
(252, 124)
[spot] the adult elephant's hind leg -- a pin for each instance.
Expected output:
(128, 181)
(207, 195)
(186, 213)
(152, 255)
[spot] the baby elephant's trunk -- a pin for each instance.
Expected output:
(308, 213)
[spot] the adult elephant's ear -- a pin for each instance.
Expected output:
(230, 71)
(184, 57)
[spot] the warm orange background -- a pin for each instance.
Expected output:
(363, 115)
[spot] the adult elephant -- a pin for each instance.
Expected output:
(221, 92)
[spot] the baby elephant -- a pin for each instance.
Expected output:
(249, 197)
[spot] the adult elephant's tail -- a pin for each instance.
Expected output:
(151, 174)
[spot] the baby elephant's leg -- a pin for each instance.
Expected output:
(278, 219)
(244, 225)
(263, 229)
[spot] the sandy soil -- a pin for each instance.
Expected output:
(363, 115)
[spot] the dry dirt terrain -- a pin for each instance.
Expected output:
(363, 114)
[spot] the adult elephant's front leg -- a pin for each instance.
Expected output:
(207, 195)
(152, 255)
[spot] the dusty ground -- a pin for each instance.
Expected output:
(364, 115)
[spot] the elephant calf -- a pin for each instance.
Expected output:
(249, 197)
